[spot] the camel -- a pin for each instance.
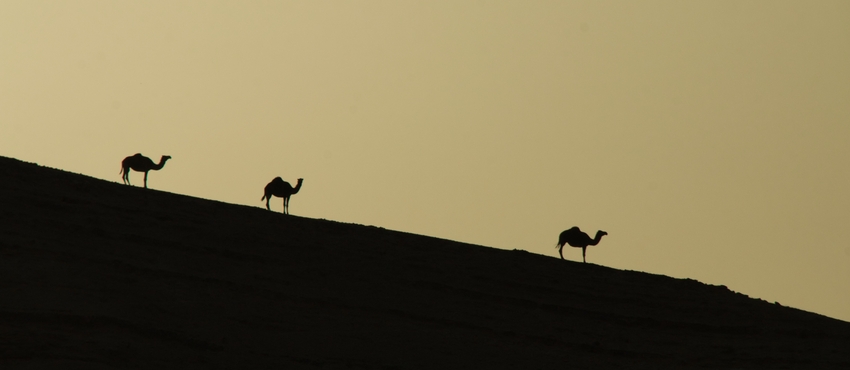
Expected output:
(282, 189)
(577, 238)
(140, 163)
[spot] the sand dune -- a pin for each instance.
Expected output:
(98, 275)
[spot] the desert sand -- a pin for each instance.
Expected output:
(99, 275)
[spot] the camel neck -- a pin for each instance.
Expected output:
(159, 165)
(597, 239)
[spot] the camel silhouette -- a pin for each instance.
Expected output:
(140, 163)
(577, 238)
(281, 189)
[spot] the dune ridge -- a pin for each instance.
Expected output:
(98, 275)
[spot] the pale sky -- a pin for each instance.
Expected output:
(711, 139)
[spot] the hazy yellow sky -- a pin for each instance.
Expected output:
(711, 139)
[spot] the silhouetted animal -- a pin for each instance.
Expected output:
(140, 163)
(282, 189)
(577, 238)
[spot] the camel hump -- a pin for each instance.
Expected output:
(571, 231)
(278, 182)
(568, 234)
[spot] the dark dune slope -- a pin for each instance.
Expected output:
(98, 275)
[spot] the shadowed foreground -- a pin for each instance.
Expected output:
(97, 275)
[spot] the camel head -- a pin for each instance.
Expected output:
(297, 186)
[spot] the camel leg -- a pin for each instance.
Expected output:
(267, 203)
(146, 179)
(583, 249)
(561, 251)
(285, 205)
